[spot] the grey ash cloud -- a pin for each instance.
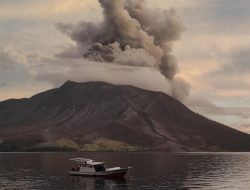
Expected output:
(131, 33)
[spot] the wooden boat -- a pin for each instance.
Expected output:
(88, 167)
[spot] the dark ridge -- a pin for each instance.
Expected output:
(89, 112)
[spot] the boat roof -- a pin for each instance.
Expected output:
(86, 161)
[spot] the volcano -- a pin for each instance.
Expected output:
(97, 116)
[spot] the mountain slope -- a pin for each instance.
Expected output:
(101, 116)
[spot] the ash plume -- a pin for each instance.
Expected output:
(131, 33)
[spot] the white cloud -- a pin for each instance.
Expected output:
(82, 71)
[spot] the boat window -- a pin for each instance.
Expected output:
(99, 168)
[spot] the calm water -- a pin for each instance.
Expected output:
(151, 171)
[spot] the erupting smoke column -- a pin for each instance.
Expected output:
(132, 34)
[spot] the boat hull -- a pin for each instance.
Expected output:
(106, 174)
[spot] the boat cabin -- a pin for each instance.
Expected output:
(87, 165)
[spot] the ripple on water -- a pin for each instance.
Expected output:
(154, 171)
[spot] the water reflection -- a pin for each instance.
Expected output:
(90, 183)
(158, 171)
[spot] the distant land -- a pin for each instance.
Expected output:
(97, 116)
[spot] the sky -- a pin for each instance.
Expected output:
(213, 53)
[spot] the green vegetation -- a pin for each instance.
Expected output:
(9, 147)
(64, 144)
(16, 145)
(48, 149)
(67, 144)
(109, 145)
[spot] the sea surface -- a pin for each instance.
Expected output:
(151, 171)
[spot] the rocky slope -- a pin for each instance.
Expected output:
(101, 116)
